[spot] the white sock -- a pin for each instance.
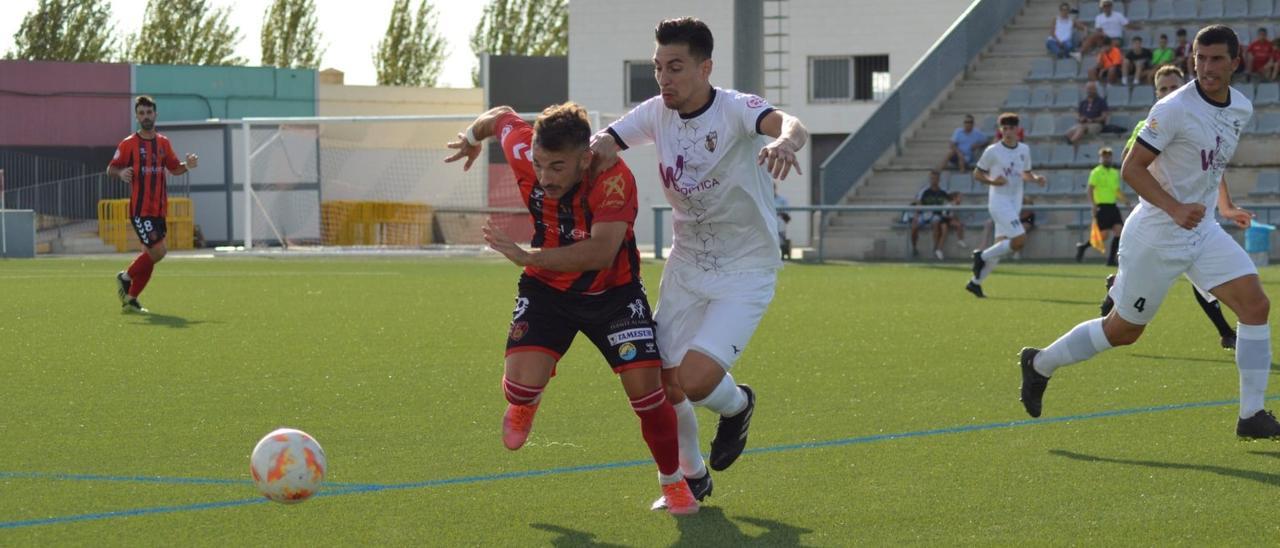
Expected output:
(1253, 359)
(664, 479)
(986, 270)
(995, 252)
(727, 399)
(691, 463)
(1084, 341)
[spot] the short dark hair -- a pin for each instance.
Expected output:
(1220, 34)
(144, 101)
(689, 31)
(562, 127)
(1007, 119)
(1181, 32)
(1164, 36)
(1136, 39)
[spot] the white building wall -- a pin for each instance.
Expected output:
(600, 41)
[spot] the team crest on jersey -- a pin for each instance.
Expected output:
(637, 309)
(518, 329)
(615, 186)
(711, 141)
(755, 101)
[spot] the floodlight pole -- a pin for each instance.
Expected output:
(247, 153)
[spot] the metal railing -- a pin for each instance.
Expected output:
(1267, 213)
(74, 200)
(886, 127)
(22, 169)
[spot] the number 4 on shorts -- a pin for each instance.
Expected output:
(1140, 304)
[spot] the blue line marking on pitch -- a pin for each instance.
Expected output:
(143, 479)
(357, 488)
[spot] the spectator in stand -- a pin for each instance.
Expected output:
(1109, 25)
(780, 202)
(1061, 42)
(1259, 55)
(1091, 116)
(1272, 70)
(1110, 61)
(939, 219)
(1162, 54)
(1182, 51)
(966, 143)
(1137, 63)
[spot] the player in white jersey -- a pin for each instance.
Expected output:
(1177, 168)
(1004, 166)
(717, 173)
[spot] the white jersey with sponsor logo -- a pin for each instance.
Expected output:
(723, 208)
(1001, 160)
(1194, 138)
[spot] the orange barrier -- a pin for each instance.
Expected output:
(114, 225)
(346, 222)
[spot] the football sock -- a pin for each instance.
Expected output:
(992, 257)
(690, 458)
(658, 425)
(1081, 343)
(1214, 311)
(519, 394)
(727, 399)
(139, 274)
(1115, 248)
(1253, 359)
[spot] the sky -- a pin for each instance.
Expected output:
(350, 31)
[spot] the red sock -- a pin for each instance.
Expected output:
(519, 394)
(140, 274)
(658, 424)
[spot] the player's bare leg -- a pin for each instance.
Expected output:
(709, 385)
(648, 398)
(134, 280)
(1244, 296)
(525, 376)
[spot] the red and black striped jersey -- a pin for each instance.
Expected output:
(608, 197)
(149, 158)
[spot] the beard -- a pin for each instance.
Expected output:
(147, 125)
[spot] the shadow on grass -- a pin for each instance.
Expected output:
(710, 527)
(164, 320)
(1231, 360)
(1025, 273)
(1047, 301)
(569, 537)
(1260, 477)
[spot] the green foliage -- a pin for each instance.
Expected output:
(289, 35)
(412, 52)
(66, 30)
(522, 27)
(184, 32)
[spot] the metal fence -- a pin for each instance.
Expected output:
(967, 37)
(72, 200)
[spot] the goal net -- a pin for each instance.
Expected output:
(372, 182)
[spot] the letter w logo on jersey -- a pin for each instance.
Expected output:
(1207, 156)
(671, 175)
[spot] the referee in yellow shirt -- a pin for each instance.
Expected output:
(1103, 191)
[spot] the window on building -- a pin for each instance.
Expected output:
(847, 78)
(640, 84)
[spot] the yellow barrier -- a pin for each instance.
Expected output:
(115, 230)
(345, 222)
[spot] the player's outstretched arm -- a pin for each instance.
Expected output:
(594, 253)
(789, 136)
(1240, 216)
(1134, 171)
(190, 164)
(467, 143)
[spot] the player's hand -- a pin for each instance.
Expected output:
(999, 181)
(604, 152)
(1243, 218)
(1042, 180)
(779, 157)
(126, 175)
(464, 150)
(1187, 216)
(500, 242)
(192, 161)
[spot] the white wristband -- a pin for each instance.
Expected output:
(470, 136)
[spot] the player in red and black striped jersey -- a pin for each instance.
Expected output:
(583, 277)
(141, 161)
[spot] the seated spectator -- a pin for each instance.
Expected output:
(1272, 70)
(940, 219)
(1062, 39)
(1259, 55)
(1162, 54)
(780, 202)
(1137, 63)
(1110, 61)
(967, 142)
(1092, 114)
(1109, 25)
(1182, 51)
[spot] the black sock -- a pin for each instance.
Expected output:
(1214, 311)
(1115, 248)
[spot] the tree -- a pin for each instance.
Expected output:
(412, 53)
(521, 27)
(289, 35)
(184, 32)
(66, 30)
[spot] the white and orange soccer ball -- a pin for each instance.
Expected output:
(288, 466)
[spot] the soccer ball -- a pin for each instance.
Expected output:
(288, 466)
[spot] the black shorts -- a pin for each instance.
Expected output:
(618, 321)
(1107, 216)
(151, 230)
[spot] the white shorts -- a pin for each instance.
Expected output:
(1007, 223)
(714, 313)
(1147, 271)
